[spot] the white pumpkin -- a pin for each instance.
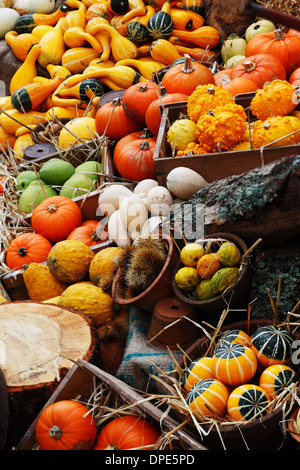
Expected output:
(183, 182)
(41, 6)
(111, 196)
(159, 201)
(144, 186)
(117, 231)
(133, 214)
(8, 19)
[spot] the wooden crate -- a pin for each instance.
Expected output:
(212, 166)
(80, 381)
(13, 281)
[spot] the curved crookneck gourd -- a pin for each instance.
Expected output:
(25, 74)
(75, 17)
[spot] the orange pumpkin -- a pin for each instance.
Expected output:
(138, 97)
(154, 112)
(239, 85)
(27, 248)
(66, 425)
(260, 68)
(234, 363)
(89, 234)
(284, 47)
(55, 218)
(198, 370)
(234, 336)
(248, 402)
(208, 397)
(185, 77)
(128, 433)
(276, 378)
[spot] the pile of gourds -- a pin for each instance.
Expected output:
(90, 47)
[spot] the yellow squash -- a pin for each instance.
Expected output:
(76, 59)
(75, 17)
(20, 43)
(26, 73)
(52, 46)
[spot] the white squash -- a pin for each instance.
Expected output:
(8, 19)
(183, 182)
(117, 231)
(111, 196)
(151, 224)
(159, 201)
(6, 3)
(144, 186)
(41, 6)
(133, 214)
(21, 6)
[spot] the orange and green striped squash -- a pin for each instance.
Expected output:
(277, 378)
(208, 397)
(248, 402)
(234, 364)
(234, 336)
(198, 370)
(272, 345)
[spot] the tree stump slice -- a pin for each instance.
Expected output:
(38, 345)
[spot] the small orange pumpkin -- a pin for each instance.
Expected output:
(198, 370)
(128, 433)
(276, 378)
(208, 397)
(247, 402)
(208, 265)
(66, 425)
(234, 363)
(27, 248)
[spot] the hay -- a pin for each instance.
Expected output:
(291, 7)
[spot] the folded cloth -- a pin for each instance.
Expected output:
(142, 360)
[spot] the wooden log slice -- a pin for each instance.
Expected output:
(38, 345)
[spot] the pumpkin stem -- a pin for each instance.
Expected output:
(249, 66)
(210, 90)
(187, 66)
(22, 251)
(112, 447)
(52, 208)
(163, 91)
(144, 145)
(55, 432)
(278, 35)
(94, 236)
(117, 102)
(146, 133)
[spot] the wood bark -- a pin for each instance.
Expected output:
(39, 344)
(262, 203)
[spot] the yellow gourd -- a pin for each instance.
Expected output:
(52, 46)
(12, 119)
(145, 68)
(101, 36)
(20, 43)
(39, 31)
(121, 47)
(5, 103)
(78, 37)
(205, 36)
(77, 59)
(21, 144)
(61, 112)
(74, 17)
(136, 8)
(26, 73)
(120, 76)
(40, 283)
(58, 70)
(163, 51)
(6, 140)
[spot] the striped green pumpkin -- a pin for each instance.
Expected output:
(248, 402)
(160, 25)
(94, 85)
(272, 345)
(20, 99)
(137, 32)
(26, 23)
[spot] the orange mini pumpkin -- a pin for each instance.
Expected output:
(208, 265)
(248, 402)
(128, 433)
(276, 378)
(66, 425)
(208, 397)
(199, 369)
(234, 364)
